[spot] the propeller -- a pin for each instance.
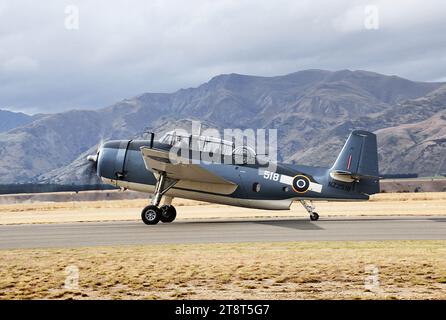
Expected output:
(93, 157)
(92, 166)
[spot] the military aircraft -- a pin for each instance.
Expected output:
(151, 166)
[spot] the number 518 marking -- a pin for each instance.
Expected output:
(268, 175)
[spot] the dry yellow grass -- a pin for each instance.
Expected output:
(79, 205)
(294, 270)
(382, 204)
(120, 210)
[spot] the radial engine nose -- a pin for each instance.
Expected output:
(95, 157)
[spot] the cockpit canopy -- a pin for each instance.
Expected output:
(207, 144)
(203, 143)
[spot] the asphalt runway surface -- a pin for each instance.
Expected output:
(253, 230)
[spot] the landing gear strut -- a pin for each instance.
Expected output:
(152, 214)
(310, 209)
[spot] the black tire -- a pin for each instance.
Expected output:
(151, 215)
(314, 216)
(168, 213)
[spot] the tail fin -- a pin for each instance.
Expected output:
(358, 162)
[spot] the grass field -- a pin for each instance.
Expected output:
(294, 270)
(432, 203)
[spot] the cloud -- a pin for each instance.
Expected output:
(124, 48)
(20, 65)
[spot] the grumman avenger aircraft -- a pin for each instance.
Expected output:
(240, 180)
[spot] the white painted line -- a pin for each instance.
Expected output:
(315, 187)
(286, 179)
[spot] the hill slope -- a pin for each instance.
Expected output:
(10, 120)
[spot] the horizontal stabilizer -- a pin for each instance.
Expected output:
(347, 176)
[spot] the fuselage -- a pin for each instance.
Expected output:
(121, 164)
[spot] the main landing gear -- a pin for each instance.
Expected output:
(152, 214)
(310, 209)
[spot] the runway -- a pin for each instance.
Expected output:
(253, 230)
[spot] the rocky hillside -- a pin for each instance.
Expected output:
(313, 110)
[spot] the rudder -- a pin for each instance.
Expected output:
(358, 162)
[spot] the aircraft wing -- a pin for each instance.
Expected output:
(189, 175)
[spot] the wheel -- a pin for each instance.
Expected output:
(151, 215)
(168, 213)
(314, 216)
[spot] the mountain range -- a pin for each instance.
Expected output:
(313, 111)
(10, 120)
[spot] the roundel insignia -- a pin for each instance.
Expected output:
(301, 184)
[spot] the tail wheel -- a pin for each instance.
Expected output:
(151, 215)
(168, 213)
(314, 216)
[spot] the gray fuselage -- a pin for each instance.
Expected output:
(121, 164)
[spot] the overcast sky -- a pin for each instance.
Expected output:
(50, 60)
